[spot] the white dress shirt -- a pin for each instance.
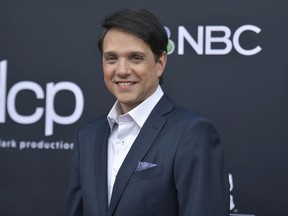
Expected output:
(124, 130)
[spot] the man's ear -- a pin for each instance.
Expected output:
(162, 63)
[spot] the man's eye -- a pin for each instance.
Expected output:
(137, 58)
(110, 59)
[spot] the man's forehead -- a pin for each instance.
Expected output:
(124, 42)
(117, 34)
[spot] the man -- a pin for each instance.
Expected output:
(148, 157)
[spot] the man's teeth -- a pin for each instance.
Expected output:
(125, 83)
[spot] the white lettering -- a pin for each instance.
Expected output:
(11, 102)
(51, 115)
(3, 81)
(52, 89)
(224, 40)
(184, 34)
(232, 205)
(8, 143)
(214, 35)
(236, 40)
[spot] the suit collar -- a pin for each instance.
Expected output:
(140, 113)
(140, 147)
(165, 105)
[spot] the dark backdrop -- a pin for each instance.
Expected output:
(49, 62)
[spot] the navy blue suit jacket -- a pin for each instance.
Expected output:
(189, 178)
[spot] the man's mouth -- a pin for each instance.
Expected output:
(125, 84)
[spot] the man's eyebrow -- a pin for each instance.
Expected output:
(129, 53)
(109, 53)
(133, 53)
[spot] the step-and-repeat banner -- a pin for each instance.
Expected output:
(227, 60)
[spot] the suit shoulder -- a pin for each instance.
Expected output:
(166, 106)
(100, 121)
(186, 113)
(184, 116)
(179, 114)
(195, 124)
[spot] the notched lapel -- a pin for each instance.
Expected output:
(140, 147)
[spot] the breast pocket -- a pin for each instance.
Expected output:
(152, 172)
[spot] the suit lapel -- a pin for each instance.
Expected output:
(140, 147)
(101, 166)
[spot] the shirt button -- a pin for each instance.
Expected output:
(123, 142)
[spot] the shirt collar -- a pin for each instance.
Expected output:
(140, 113)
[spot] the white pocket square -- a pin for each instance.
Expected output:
(144, 165)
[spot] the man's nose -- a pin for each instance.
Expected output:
(123, 68)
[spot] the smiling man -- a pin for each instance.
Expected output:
(147, 156)
(131, 70)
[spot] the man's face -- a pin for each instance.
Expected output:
(131, 72)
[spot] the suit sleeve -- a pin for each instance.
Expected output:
(200, 176)
(74, 206)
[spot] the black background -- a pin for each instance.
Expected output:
(245, 96)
